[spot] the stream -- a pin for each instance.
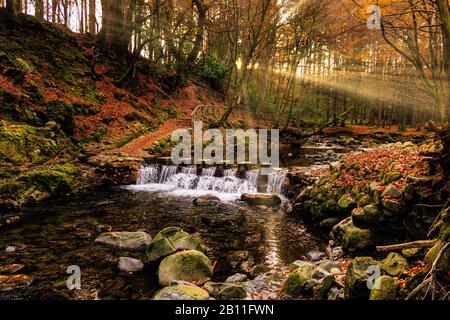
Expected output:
(59, 233)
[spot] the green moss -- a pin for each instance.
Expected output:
(359, 239)
(20, 144)
(364, 201)
(232, 292)
(394, 264)
(53, 182)
(390, 177)
(12, 189)
(357, 276)
(182, 291)
(67, 168)
(385, 288)
(188, 266)
(294, 285)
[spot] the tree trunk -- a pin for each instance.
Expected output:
(115, 33)
(10, 10)
(201, 26)
(39, 9)
(92, 16)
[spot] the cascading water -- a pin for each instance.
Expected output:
(167, 172)
(147, 175)
(276, 180)
(186, 178)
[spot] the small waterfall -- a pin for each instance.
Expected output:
(252, 177)
(209, 172)
(147, 175)
(230, 173)
(186, 178)
(167, 172)
(189, 170)
(276, 180)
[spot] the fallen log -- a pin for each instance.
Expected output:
(408, 245)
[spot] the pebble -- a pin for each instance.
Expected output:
(237, 278)
(127, 264)
(10, 249)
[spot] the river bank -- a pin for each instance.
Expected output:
(254, 252)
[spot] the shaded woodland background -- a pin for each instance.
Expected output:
(301, 60)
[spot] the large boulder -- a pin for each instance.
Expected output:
(170, 240)
(357, 277)
(384, 288)
(190, 265)
(394, 264)
(268, 200)
(297, 282)
(181, 292)
(358, 239)
(370, 215)
(129, 241)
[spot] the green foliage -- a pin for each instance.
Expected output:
(215, 70)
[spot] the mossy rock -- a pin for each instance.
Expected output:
(384, 288)
(181, 292)
(329, 223)
(190, 265)
(232, 292)
(67, 168)
(342, 227)
(20, 144)
(296, 283)
(431, 256)
(358, 239)
(347, 203)
(412, 253)
(392, 205)
(259, 269)
(51, 181)
(357, 276)
(12, 189)
(364, 201)
(171, 239)
(394, 264)
(390, 177)
(370, 215)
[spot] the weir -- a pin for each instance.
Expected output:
(209, 179)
